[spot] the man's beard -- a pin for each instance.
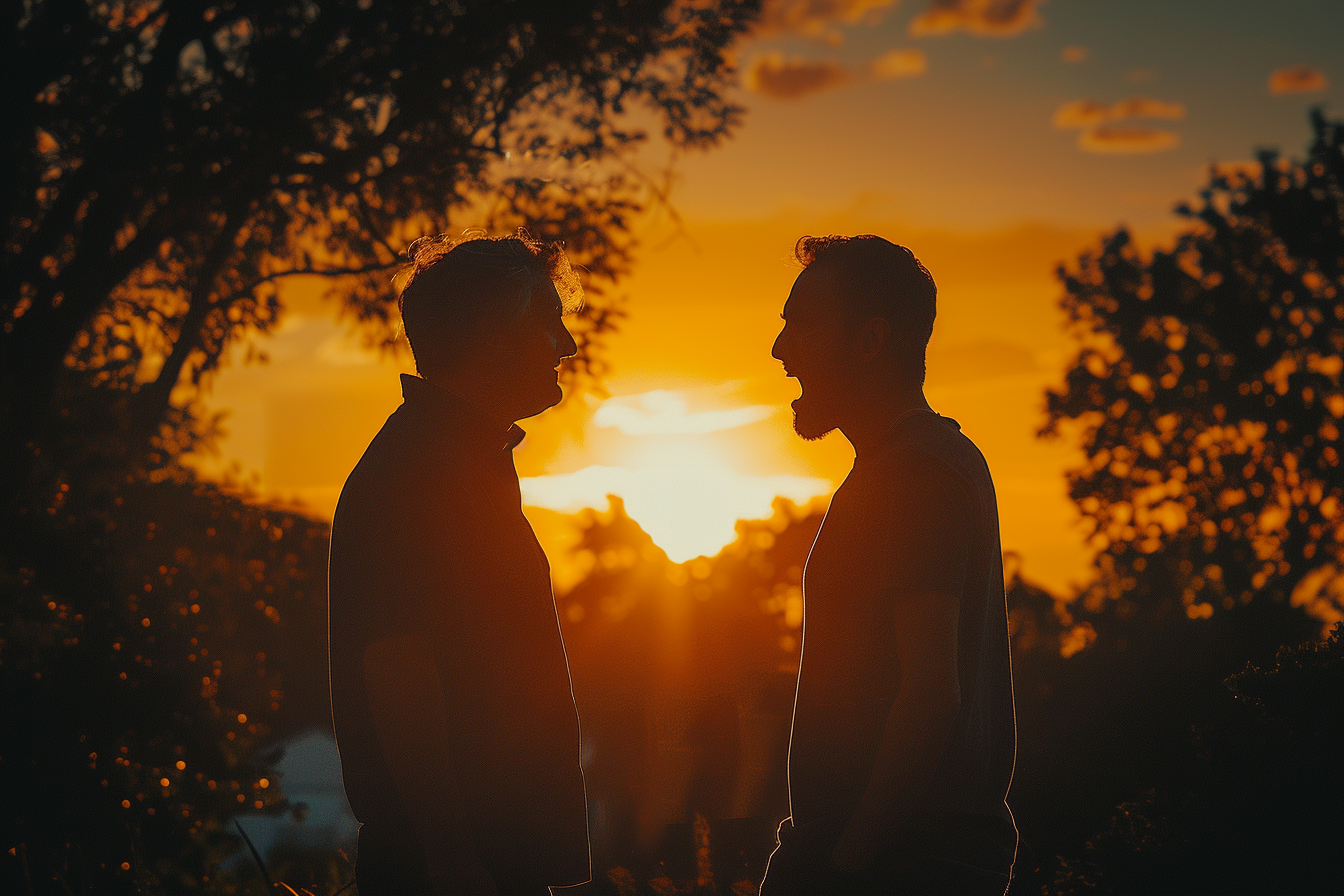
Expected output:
(807, 422)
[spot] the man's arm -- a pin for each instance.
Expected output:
(406, 699)
(917, 728)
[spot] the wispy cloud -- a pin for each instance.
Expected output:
(1087, 113)
(1297, 79)
(665, 413)
(1127, 139)
(896, 64)
(1103, 131)
(1073, 54)
(819, 18)
(988, 18)
(781, 78)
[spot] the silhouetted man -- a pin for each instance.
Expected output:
(903, 734)
(450, 688)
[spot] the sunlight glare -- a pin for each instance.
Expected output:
(662, 412)
(687, 505)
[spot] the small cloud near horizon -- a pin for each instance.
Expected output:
(984, 18)
(818, 19)
(1102, 131)
(1297, 79)
(1073, 54)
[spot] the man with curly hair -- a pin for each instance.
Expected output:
(903, 733)
(450, 687)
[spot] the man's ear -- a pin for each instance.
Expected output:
(874, 336)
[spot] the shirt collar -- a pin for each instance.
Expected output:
(422, 395)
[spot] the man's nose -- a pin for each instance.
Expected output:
(565, 343)
(776, 350)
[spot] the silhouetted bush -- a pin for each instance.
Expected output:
(1259, 810)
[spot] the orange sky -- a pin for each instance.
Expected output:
(994, 155)
(704, 312)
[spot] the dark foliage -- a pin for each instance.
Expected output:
(1259, 810)
(1207, 397)
(171, 164)
(145, 654)
(1101, 726)
(173, 161)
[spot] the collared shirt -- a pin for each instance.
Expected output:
(916, 514)
(429, 538)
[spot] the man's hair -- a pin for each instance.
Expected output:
(878, 278)
(456, 283)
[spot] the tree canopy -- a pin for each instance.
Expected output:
(174, 161)
(1206, 396)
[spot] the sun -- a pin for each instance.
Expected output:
(686, 498)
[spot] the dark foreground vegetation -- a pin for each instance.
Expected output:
(1180, 719)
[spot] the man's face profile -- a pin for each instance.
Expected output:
(522, 354)
(814, 349)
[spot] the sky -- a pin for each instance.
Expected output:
(995, 138)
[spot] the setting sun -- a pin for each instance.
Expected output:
(688, 501)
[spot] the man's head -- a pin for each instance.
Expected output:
(483, 318)
(858, 319)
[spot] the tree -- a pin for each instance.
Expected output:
(174, 161)
(1206, 397)
(172, 164)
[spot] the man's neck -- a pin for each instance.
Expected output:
(879, 414)
(480, 401)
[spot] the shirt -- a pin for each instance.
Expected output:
(429, 538)
(916, 514)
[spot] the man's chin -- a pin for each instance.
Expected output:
(807, 424)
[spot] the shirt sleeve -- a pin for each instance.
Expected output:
(927, 525)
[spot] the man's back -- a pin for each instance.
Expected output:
(917, 515)
(429, 540)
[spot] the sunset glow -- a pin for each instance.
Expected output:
(688, 503)
(996, 140)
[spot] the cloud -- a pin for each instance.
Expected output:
(1103, 133)
(665, 413)
(1126, 139)
(895, 64)
(1073, 54)
(987, 18)
(782, 78)
(818, 18)
(1088, 113)
(1297, 79)
(789, 79)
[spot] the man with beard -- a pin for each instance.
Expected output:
(450, 688)
(903, 734)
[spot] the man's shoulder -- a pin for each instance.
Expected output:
(404, 470)
(931, 458)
